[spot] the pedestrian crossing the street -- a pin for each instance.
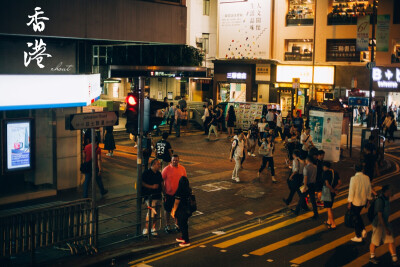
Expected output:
(282, 240)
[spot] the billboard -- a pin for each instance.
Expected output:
(18, 146)
(326, 132)
(244, 29)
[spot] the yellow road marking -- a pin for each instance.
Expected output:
(301, 236)
(340, 241)
(364, 259)
(207, 240)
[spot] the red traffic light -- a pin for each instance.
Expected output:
(130, 99)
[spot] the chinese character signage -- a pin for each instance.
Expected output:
(38, 48)
(362, 33)
(382, 33)
(263, 72)
(386, 78)
(18, 147)
(244, 29)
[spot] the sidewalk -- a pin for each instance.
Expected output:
(221, 202)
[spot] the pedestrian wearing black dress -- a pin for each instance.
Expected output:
(181, 211)
(109, 143)
(231, 119)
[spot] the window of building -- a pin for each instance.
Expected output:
(396, 12)
(300, 13)
(206, 42)
(298, 49)
(206, 7)
(346, 12)
(396, 52)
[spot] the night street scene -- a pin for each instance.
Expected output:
(156, 133)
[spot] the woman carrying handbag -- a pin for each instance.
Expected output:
(329, 191)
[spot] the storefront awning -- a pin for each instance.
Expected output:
(123, 71)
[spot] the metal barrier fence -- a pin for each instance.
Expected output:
(115, 225)
(27, 229)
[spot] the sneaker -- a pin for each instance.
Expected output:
(357, 239)
(184, 244)
(154, 232)
(248, 153)
(364, 233)
(374, 261)
(135, 145)
(108, 154)
(237, 180)
(253, 155)
(180, 240)
(145, 231)
(274, 180)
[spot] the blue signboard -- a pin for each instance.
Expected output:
(358, 101)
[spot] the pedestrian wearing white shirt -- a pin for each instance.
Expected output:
(359, 195)
(237, 154)
(306, 141)
(206, 119)
(270, 119)
(279, 124)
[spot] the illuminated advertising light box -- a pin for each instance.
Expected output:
(322, 74)
(48, 91)
(18, 146)
(386, 78)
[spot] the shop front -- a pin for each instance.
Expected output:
(39, 157)
(294, 86)
(386, 82)
(243, 80)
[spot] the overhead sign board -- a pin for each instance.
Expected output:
(358, 101)
(322, 74)
(90, 120)
(48, 91)
(386, 78)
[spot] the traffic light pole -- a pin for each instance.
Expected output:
(139, 158)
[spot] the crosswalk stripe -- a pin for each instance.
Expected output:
(364, 259)
(268, 229)
(340, 241)
(301, 236)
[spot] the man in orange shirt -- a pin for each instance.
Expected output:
(171, 175)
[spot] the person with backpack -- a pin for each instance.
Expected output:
(267, 148)
(332, 182)
(359, 194)
(181, 210)
(381, 228)
(237, 154)
(164, 150)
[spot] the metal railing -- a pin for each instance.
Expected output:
(27, 229)
(115, 225)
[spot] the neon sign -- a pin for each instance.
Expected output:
(386, 77)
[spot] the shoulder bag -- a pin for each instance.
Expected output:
(263, 151)
(326, 192)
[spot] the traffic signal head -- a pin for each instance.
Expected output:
(131, 113)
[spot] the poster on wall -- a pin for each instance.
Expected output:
(18, 144)
(244, 29)
(382, 33)
(326, 132)
(362, 33)
(246, 113)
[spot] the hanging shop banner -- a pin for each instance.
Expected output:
(246, 113)
(244, 29)
(362, 33)
(382, 33)
(326, 132)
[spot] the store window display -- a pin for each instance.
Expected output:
(298, 50)
(346, 12)
(300, 13)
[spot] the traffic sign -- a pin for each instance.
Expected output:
(371, 65)
(90, 120)
(358, 101)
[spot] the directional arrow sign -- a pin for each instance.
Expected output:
(90, 120)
